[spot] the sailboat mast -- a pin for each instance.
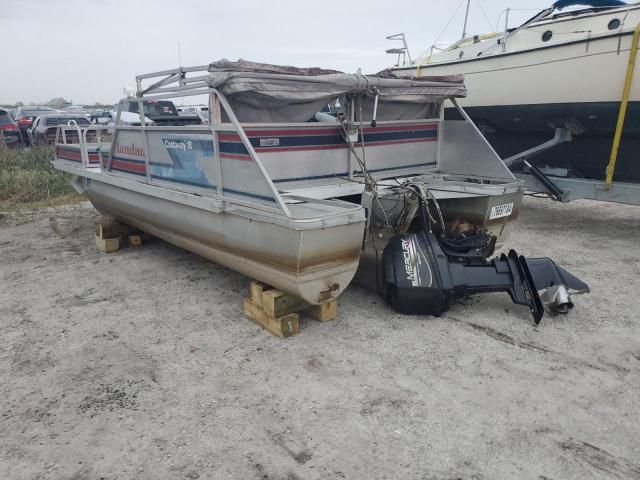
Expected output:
(466, 18)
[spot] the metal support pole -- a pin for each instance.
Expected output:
(623, 107)
(466, 19)
(440, 133)
(145, 139)
(560, 135)
(350, 158)
(252, 153)
(375, 108)
(114, 137)
(214, 124)
(506, 31)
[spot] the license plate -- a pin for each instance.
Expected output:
(500, 211)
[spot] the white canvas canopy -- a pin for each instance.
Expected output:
(270, 93)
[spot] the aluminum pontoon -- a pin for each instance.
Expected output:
(266, 189)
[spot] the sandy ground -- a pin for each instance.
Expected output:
(140, 365)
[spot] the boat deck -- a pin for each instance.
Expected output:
(443, 186)
(301, 206)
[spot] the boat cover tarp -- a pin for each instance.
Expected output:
(270, 93)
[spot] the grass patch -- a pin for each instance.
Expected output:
(28, 182)
(28, 177)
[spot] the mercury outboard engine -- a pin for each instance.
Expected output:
(424, 274)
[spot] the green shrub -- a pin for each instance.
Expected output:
(27, 175)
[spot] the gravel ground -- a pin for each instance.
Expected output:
(140, 365)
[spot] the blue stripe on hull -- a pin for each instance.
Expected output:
(237, 148)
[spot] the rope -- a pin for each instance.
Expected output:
(448, 23)
(369, 180)
(484, 14)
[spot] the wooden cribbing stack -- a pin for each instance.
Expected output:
(272, 309)
(277, 311)
(110, 233)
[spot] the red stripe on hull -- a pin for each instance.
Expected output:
(130, 166)
(235, 156)
(256, 134)
(292, 133)
(301, 149)
(332, 131)
(77, 157)
(229, 138)
(79, 160)
(310, 148)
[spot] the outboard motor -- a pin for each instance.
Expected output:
(424, 275)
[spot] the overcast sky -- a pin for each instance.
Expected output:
(88, 50)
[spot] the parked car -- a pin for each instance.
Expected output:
(102, 117)
(108, 118)
(162, 112)
(43, 130)
(10, 133)
(193, 110)
(75, 109)
(25, 116)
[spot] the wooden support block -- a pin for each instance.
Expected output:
(282, 327)
(108, 233)
(135, 240)
(256, 288)
(108, 229)
(277, 303)
(324, 312)
(275, 310)
(108, 245)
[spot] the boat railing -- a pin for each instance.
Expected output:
(174, 83)
(215, 129)
(82, 137)
(228, 183)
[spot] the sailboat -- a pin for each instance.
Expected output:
(555, 96)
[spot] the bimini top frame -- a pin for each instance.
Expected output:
(174, 83)
(259, 93)
(244, 93)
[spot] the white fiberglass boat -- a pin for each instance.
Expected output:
(561, 72)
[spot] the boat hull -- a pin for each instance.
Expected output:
(462, 215)
(315, 264)
(575, 73)
(512, 129)
(520, 96)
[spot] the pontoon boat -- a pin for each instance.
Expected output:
(266, 189)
